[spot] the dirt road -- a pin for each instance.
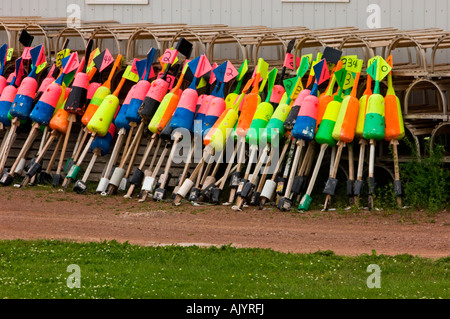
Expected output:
(37, 213)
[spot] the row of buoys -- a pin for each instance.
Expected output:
(268, 126)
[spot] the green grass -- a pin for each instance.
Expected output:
(38, 269)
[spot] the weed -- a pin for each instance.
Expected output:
(385, 197)
(426, 182)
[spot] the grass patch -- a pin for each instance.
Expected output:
(427, 182)
(38, 269)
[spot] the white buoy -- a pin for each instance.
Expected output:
(102, 185)
(185, 188)
(20, 167)
(123, 184)
(148, 184)
(269, 189)
(117, 176)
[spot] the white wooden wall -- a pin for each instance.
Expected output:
(402, 14)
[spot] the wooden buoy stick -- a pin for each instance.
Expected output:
(306, 166)
(306, 199)
(298, 152)
(88, 170)
(145, 156)
(132, 159)
(55, 154)
(80, 146)
(261, 161)
(228, 169)
(334, 170)
(115, 153)
(241, 147)
(155, 173)
(396, 168)
(77, 142)
(371, 172)
(359, 172)
(351, 173)
(186, 167)
(47, 145)
(129, 154)
(80, 160)
(8, 141)
(71, 119)
(127, 145)
(27, 145)
(277, 168)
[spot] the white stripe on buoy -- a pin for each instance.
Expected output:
(269, 189)
(185, 188)
(123, 184)
(20, 166)
(102, 185)
(117, 176)
(148, 184)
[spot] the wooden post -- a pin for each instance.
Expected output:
(371, 169)
(263, 178)
(287, 167)
(87, 172)
(396, 168)
(228, 169)
(205, 173)
(332, 159)
(77, 143)
(306, 164)
(80, 160)
(298, 153)
(130, 153)
(155, 172)
(241, 147)
(136, 140)
(8, 141)
(47, 145)
(351, 169)
(128, 141)
(177, 138)
(25, 148)
(186, 167)
(263, 158)
(80, 146)
(359, 173)
(115, 153)
(5, 138)
(312, 181)
(333, 174)
(147, 151)
(253, 152)
(71, 119)
(277, 167)
(209, 151)
(133, 157)
(55, 153)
